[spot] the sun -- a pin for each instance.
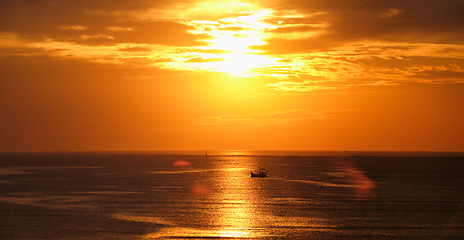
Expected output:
(239, 59)
(229, 49)
(242, 64)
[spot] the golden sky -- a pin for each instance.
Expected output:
(256, 75)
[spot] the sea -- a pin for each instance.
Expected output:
(211, 195)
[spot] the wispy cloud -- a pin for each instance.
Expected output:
(271, 118)
(203, 60)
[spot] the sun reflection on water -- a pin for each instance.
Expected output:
(235, 216)
(223, 201)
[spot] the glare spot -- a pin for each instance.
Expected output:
(181, 163)
(199, 188)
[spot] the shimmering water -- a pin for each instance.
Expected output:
(305, 196)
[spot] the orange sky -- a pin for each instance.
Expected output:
(255, 75)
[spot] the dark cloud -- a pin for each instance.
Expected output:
(298, 28)
(92, 23)
(415, 21)
(407, 62)
(284, 20)
(234, 29)
(164, 33)
(288, 46)
(440, 75)
(135, 49)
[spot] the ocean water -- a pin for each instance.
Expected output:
(169, 195)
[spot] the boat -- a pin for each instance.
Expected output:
(260, 173)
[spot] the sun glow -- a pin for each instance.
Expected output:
(233, 38)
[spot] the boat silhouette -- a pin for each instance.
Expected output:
(260, 173)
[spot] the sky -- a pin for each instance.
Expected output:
(140, 75)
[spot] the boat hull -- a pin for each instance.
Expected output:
(259, 175)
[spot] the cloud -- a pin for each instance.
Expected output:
(135, 49)
(203, 60)
(75, 28)
(343, 43)
(234, 29)
(415, 21)
(94, 23)
(297, 28)
(305, 86)
(390, 13)
(212, 51)
(441, 75)
(269, 118)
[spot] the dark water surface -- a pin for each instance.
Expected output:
(151, 196)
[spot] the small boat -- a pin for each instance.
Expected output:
(260, 173)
